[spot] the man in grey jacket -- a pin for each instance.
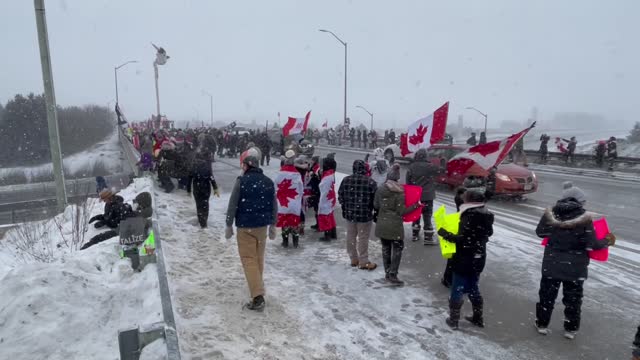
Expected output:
(423, 173)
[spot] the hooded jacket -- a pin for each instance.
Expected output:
(390, 203)
(423, 173)
(356, 194)
(570, 231)
(476, 226)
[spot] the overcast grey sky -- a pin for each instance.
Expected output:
(406, 58)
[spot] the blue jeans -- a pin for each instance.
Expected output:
(465, 284)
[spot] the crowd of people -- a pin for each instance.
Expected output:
(372, 194)
(305, 189)
(604, 150)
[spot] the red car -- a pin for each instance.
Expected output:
(511, 179)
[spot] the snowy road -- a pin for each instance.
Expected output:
(320, 308)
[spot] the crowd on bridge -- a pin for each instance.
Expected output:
(304, 192)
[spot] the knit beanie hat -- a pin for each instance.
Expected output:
(394, 173)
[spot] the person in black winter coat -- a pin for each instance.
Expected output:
(447, 277)
(114, 210)
(570, 233)
(472, 140)
(313, 185)
(202, 181)
(423, 173)
(476, 226)
(142, 208)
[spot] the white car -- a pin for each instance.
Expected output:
(392, 152)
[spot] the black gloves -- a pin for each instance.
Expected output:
(97, 217)
(444, 233)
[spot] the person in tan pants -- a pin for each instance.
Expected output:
(254, 208)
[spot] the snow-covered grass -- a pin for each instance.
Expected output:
(72, 306)
(105, 155)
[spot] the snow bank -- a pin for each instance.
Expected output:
(73, 306)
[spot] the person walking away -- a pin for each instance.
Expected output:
(352, 136)
(571, 149)
(601, 150)
(476, 227)
(392, 137)
(570, 233)
(472, 140)
(356, 195)
(379, 167)
(447, 276)
(389, 202)
(289, 190)
(327, 202)
(202, 181)
(612, 152)
(168, 157)
(359, 137)
(265, 148)
(312, 188)
(544, 148)
(483, 138)
(253, 207)
(423, 173)
(365, 137)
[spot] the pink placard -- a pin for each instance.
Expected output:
(412, 194)
(602, 229)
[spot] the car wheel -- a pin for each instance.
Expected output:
(389, 156)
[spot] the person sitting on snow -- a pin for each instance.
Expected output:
(114, 210)
(142, 208)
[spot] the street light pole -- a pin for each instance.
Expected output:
(345, 70)
(211, 100)
(370, 114)
(115, 70)
(481, 113)
(161, 59)
(50, 99)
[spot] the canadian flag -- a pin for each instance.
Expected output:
(296, 125)
(485, 155)
(327, 203)
(289, 189)
(326, 123)
(425, 132)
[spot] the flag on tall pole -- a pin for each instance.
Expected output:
(485, 155)
(425, 132)
(296, 125)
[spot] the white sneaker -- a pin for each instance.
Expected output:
(570, 334)
(542, 330)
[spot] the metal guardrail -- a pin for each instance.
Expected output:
(132, 341)
(621, 160)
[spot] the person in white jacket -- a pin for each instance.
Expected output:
(379, 166)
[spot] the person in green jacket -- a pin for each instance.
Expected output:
(389, 203)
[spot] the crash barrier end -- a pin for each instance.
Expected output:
(132, 341)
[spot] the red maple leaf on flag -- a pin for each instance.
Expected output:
(418, 137)
(485, 149)
(331, 196)
(285, 192)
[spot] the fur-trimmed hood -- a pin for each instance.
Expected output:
(568, 214)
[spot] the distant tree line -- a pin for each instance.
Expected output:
(24, 136)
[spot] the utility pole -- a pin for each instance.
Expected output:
(211, 104)
(50, 99)
(344, 43)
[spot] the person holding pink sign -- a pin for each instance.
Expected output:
(571, 235)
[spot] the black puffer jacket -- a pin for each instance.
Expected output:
(356, 194)
(570, 232)
(423, 173)
(476, 226)
(116, 211)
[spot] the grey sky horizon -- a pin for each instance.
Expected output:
(406, 58)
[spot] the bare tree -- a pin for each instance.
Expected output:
(80, 214)
(32, 242)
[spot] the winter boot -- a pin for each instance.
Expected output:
(301, 229)
(285, 241)
(477, 318)
(636, 342)
(393, 280)
(416, 234)
(570, 335)
(256, 304)
(454, 314)
(295, 241)
(428, 238)
(334, 233)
